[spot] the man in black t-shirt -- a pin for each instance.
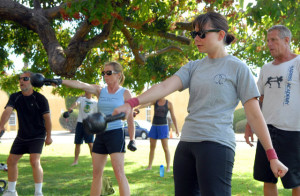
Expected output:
(34, 126)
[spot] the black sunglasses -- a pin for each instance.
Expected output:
(24, 78)
(201, 34)
(107, 73)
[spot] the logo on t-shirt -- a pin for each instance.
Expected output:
(220, 78)
(87, 107)
(275, 79)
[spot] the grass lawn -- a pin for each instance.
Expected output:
(62, 179)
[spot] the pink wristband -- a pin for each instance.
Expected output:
(271, 154)
(133, 102)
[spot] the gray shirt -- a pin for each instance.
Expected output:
(215, 87)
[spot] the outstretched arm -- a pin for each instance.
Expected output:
(160, 90)
(74, 105)
(91, 88)
(154, 93)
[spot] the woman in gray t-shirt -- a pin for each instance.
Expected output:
(204, 157)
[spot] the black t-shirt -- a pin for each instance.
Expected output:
(30, 111)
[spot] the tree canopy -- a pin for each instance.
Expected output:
(150, 38)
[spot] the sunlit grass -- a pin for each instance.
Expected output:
(62, 179)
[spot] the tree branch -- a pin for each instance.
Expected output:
(184, 26)
(37, 4)
(171, 36)
(164, 50)
(84, 28)
(95, 41)
(53, 13)
(13, 11)
(133, 45)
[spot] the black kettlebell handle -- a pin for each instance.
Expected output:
(110, 118)
(48, 81)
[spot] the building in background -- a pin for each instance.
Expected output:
(57, 107)
(56, 104)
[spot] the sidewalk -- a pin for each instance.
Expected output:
(67, 137)
(62, 137)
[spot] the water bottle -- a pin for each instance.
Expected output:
(162, 171)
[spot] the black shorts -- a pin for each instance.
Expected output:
(110, 142)
(23, 146)
(203, 168)
(81, 135)
(287, 146)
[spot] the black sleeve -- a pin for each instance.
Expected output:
(12, 101)
(43, 104)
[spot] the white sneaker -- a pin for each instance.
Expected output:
(3, 166)
(38, 194)
(9, 193)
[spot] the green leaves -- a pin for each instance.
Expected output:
(152, 26)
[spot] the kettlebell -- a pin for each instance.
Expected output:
(67, 114)
(38, 80)
(2, 188)
(96, 123)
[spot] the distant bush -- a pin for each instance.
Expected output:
(240, 126)
(239, 115)
(69, 123)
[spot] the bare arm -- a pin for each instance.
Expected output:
(5, 117)
(91, 88)
(170, 105)
(154, 93)
(161, 90)
(130, 122)
(258, 124)
(74, 105)
(48, 126)
(145, 105)
(248, 130)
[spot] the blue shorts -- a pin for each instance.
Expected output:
(287, 147)
(203, 168)
(110, 142)
(81, 135)
(159, 132)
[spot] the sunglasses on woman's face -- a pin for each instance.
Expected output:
(24, 78)
(103, 73)
(202, 34)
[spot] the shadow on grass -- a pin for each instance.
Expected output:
(62, 179)
(59, 177)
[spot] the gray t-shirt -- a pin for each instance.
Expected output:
(215, 87)
(280, 85)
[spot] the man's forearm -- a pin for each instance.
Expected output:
(5, 117)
